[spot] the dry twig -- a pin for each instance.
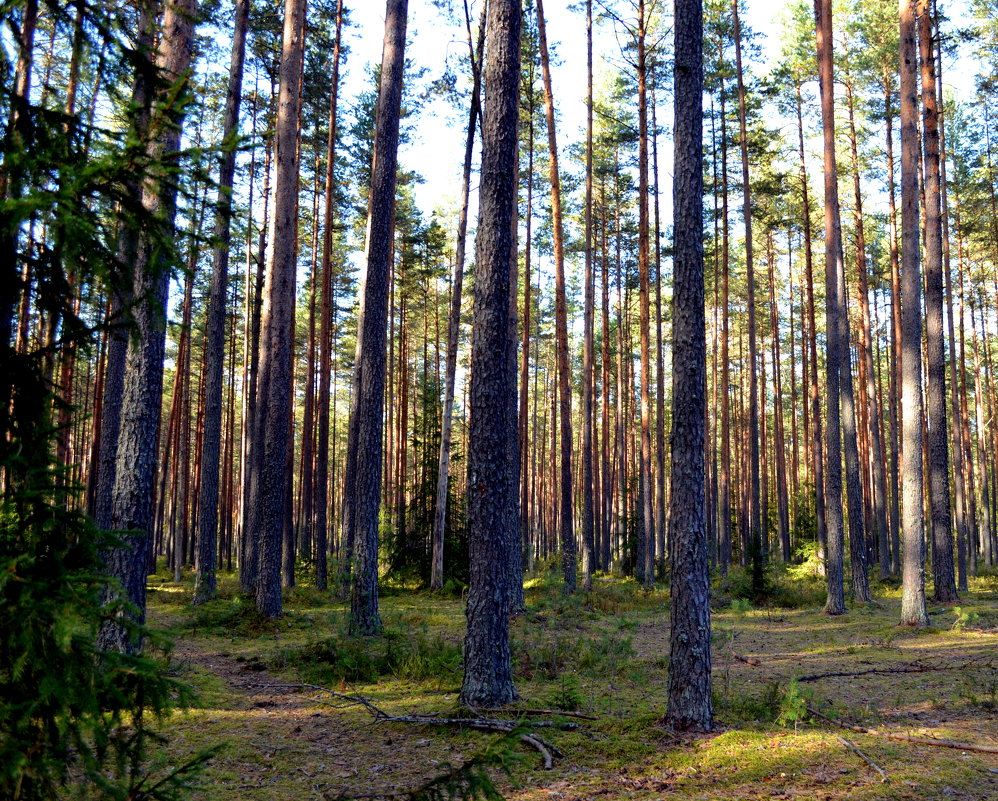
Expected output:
(865, 758)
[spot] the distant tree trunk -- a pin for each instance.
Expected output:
(454, 324)
(132, 501)
(367, 404)
(588, 512)
(725, 480)
(782, 503)
(561, 322)
(660, 493)
(755, 496)
(645, 564)
(817, 457)
(492, 480)
(689, 643)
(866, 356)
(321, 499)
(895, 383)
(959, 462)
(207, 534)
(268, 506)
(834, 314)
(913, 610)
(935, 350)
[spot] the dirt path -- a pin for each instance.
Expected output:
(281, 739)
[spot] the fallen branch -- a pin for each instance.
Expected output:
(909, 667)
(907, 738)
(865, 758)
(532, 739)
(540, 745)
(748, 660)
(352, 700)
(561, 712)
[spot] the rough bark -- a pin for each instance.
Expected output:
(367, 404)
(207, 531)
(689, 639)
(935, 349)
(267, 514)
(492, 480)
(913, 610)
(132, 499)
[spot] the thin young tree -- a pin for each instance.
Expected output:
(321, 494)
(754, 485)
(454, 321)
(368, 400)
(207, 526)
(588, 508)
(493, 518)
(566, 524)
(690, 705)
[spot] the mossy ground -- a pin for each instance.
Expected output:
(604, 653)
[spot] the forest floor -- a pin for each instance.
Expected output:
(603, 654)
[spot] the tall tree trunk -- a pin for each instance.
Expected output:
(913, 610)
(935, 351)
(326, 323)
(207, 532)
(588, 513)
(132, 501)
(755, 497)
(866, 355)
(454, 321)
(689, 641)
(492, 480)
(817, 438)
(268, 500)
(725, 482)
(367, 404)
(561, 321)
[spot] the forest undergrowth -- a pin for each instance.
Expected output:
(598, 662)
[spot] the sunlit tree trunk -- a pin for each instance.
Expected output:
(492, 480)
(913, 610)
(367, 404)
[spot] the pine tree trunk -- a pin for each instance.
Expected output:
(367, 404)
(755, 490)
(454, 325)
(566, 525)
(835, 603)
(817, 437)
(492, 480)
(913, 610)
(588, 513)
(689, 642)
(935, 352)
(207, 526)
(266, 514)
(132, 500)
(326, 324)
